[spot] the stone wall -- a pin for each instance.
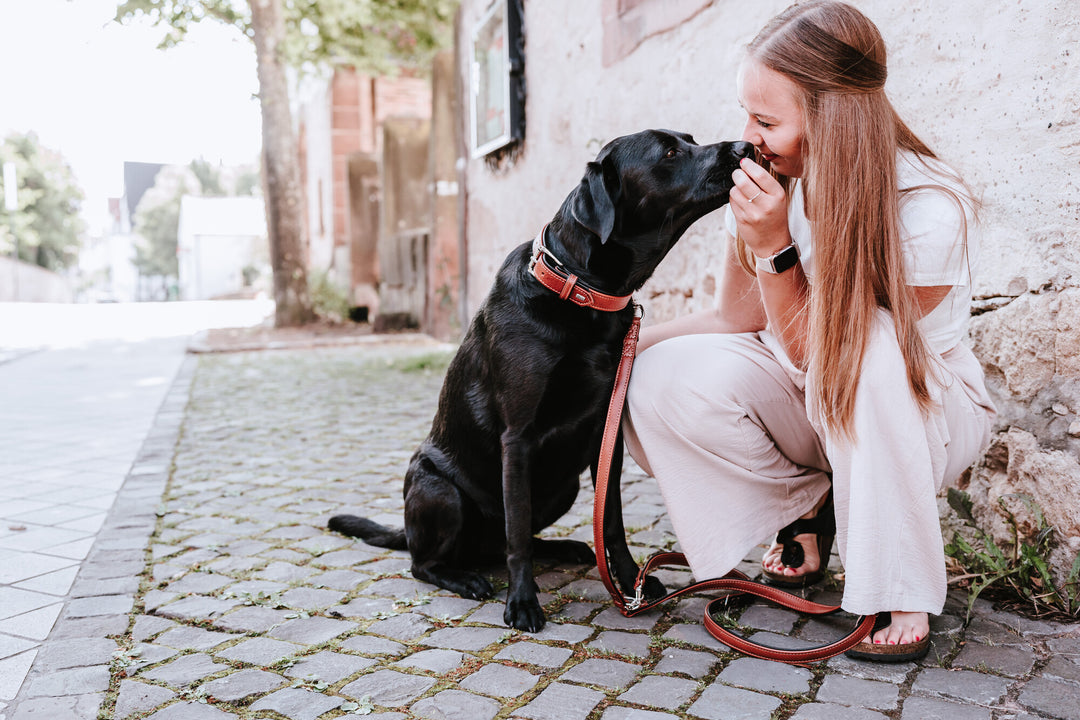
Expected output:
(22, 282)
(995, 93)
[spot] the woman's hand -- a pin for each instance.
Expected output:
(760, 206)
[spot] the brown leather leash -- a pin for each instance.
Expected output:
(734, 583)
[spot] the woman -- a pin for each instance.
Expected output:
(832, 377)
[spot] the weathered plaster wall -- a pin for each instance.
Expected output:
(996, 93)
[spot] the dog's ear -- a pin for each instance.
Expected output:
(594, 201)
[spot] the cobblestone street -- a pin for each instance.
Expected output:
(215, 591)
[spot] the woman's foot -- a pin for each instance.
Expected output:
(896, 637)
(771, 562)
(904, 629)
(795, 559)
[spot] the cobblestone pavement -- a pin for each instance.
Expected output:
(214, 590)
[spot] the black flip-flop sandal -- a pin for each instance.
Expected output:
(906, 652)
(823, 525)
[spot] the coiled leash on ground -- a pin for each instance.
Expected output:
(734, 583)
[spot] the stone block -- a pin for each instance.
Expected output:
(435, 661)
(185, 670)
(500, 681)
(693, 663)
(559, 701)
(470, 639)
(766, 676)
(191, 711)
(388, 687)
(720, 702)
(242, 685)
(1054, 699)
(312, 630)
(192, 638)
(605, 673)
(921, 708)
(535, 654)
(855, 692)
(660, 692)
(260, 651)
(632, 645)
(1004, 660)
(72, 681)
(368, 645)
(328, 666)
(456, 705)
(137, 697)
(963, 685)
(827, 711)
(408, 626)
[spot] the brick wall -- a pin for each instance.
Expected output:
(359, 105)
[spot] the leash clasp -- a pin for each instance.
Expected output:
(634, 603)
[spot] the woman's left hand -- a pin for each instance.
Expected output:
(760, 206)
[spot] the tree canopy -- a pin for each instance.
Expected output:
(371, 35)
(47, 227)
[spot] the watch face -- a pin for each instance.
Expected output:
(786, 259)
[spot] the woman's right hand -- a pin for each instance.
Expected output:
(760, 206)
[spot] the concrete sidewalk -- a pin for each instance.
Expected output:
(213, 590)
(71, 423)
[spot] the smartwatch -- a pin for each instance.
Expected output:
(780, 262)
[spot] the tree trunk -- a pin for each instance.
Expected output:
(281, 170)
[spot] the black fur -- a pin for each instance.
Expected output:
(522, 407)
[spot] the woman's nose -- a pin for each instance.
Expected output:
(750, 134)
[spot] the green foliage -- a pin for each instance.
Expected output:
(329, 299)
(373, 35)
(47, 226)
(1022, 568)
(157, 221)
(425, 364)
(209, 178)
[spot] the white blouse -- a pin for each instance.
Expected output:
(935, 253)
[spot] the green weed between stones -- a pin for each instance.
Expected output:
(1021, 570)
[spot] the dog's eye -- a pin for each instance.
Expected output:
(671, 153)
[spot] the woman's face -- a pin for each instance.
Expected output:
(774, 123)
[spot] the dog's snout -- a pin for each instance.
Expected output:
(742, 149)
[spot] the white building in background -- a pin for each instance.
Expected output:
(106, 270)
(222, 247)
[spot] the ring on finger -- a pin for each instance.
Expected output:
(756, 196)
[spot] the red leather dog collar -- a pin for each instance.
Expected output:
(566, 285)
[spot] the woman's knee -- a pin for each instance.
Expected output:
(695, 383)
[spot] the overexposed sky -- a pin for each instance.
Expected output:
(101, 93)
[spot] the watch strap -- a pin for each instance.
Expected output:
(779, 262)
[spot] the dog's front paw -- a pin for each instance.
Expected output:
(524, 614)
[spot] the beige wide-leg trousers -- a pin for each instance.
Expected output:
(721, 422)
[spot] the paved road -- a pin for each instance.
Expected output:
(213, 591)
(80, 387)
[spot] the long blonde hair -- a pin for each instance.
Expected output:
(836, 58)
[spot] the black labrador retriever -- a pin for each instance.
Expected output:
(522, 408)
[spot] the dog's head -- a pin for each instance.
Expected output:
(642, 193)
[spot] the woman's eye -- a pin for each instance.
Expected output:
(764, 124)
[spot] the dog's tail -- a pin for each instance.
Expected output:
(370, 532)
